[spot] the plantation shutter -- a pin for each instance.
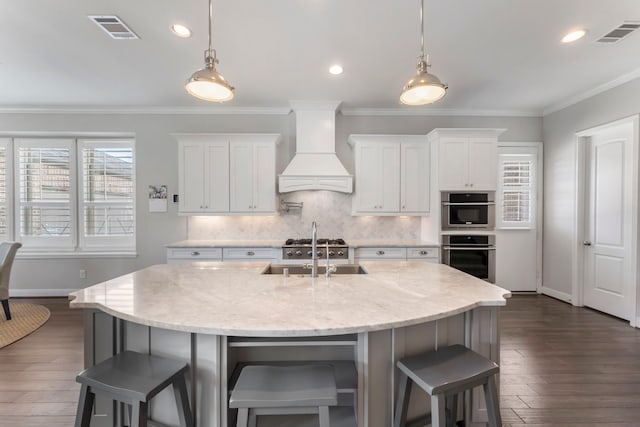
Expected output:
(107, 194)
(516, 190)
(45, 208)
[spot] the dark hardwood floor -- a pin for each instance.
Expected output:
(561, 366)
(567, 366)
(37, 373)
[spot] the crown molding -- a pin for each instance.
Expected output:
(259, 111)
(438, 112)
(592, 92)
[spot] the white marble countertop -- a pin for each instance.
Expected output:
(236, 299)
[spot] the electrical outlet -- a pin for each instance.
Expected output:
(83, 274)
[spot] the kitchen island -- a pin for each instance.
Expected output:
(219, 316)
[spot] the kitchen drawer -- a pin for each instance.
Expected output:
(382, 253)
(248, 254)
(423, 253)
(175, 255)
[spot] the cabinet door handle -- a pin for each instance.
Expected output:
(380, 253)
(251, 253)
(471, 185)
(195, 253)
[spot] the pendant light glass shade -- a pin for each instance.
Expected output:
(424, 87)
(207, 83)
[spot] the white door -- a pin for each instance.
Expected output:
(191, 183)
(608, 264)
(518, 245)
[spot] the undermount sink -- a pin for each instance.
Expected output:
(301, 270)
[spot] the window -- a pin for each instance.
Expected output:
(5, 184)
(517, 189)
(106, 202)
(73, 195)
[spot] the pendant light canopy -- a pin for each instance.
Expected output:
(423, 88)
(207, 83)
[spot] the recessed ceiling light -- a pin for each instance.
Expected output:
(180, 30)
(574, 35)
(335, 69)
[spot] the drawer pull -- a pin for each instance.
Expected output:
(251, 253)
(195, 253)
(380, 253)
(424, 253)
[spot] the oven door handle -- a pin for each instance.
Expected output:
(477, 248)
(469, 204)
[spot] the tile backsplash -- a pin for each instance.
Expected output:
(330, 210)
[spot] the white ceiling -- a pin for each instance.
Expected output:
(496, 55)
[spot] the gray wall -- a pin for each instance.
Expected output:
(560, 174)
(156, 153)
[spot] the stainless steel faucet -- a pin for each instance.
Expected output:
(331, 268)
(314, 250)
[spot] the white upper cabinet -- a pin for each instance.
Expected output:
(252, 177)
(468, 158)
(415, 179)
(392, 175)
(203, 169)
(227, 174)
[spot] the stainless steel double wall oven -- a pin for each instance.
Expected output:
(472, 252)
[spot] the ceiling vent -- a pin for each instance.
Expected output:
(620, 32)
(114, 26)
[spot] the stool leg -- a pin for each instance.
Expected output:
(243, 415)
(5, 306)
(182, 402)
(452, 410)
(85, 405)
(323, 413)
(438, 417)
(402, 402)
(491, 399)
(139, 415)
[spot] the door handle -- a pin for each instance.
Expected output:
(586, 243)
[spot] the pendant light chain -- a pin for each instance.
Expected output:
(210, 56)
(422, 28)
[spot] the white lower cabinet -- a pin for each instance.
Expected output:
(426, 253)
(391, 254)
(180, 255)
(195, 254)
(249, 254)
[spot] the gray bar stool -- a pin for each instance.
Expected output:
(270, 390)
(443, 374)
(133, 378)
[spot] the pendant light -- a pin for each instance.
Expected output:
(423, 88)
(207, 83)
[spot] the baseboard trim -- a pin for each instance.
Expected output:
(35, 293)
(556, 294)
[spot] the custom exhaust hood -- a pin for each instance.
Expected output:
(315, 165)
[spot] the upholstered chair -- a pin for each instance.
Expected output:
(7, 254)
